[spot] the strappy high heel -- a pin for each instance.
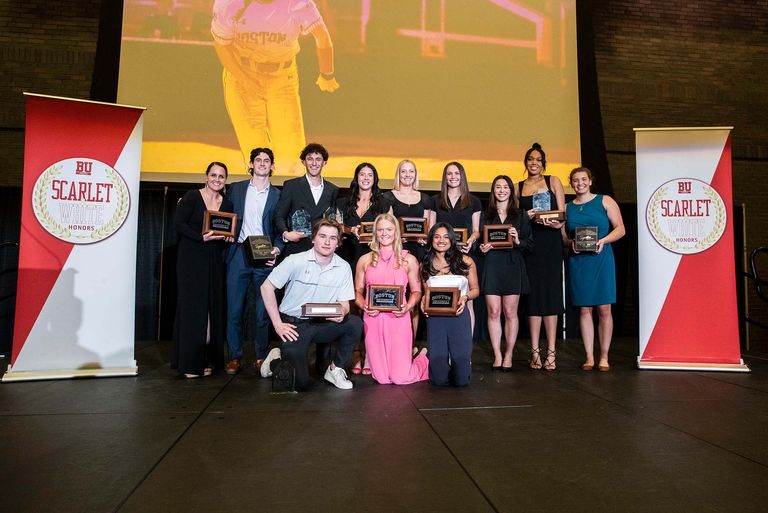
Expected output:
(550, 366)
(536, 358)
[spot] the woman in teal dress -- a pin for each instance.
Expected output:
(592, 282)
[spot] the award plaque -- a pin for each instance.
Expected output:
(413, 228)
(585, 238)
(498, 235)
(462, 234)
(384, 298)
(322, 310)
(220, 223)
(365, 231)
(258, 248)
(553, 215)
(441, 300)
(284, 378)
(301, 221)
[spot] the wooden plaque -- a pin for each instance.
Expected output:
(322, 310)
(384, 298)
(220, 223)
(553, 215)
(441, 300)
(365, 231)
(258, 248)
(498, 235)
(585, 238)
(413, 228)
(462, 234)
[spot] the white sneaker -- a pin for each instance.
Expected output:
(274, 354)
(338, 378)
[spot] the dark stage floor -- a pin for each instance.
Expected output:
(567, 441)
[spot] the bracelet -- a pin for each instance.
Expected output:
(327, 76)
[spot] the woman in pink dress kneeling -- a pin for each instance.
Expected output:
(388, 334)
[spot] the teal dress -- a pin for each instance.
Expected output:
(592, 276)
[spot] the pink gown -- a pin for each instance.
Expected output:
(388, 339)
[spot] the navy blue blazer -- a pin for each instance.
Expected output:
(236, 194)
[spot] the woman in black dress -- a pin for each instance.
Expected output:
(364, 203)
(408, 201)
(545, 261)
(504, 277)
(200, 325)
(456, 206)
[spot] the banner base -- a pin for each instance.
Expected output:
(689, 366)
(11, 376)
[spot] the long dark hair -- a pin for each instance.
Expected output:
(512, 209)
(465, 200)
(453, 256)
(354, 192)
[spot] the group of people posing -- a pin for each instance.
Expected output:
(332, 265)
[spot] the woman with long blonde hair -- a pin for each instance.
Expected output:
(388, 335)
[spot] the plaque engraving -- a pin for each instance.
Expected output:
(220, 223)
(498, 235)
(553, 215)
(322, 310)
(413, 228)
(585, 238)
(301, 221)
(441, 300)
(462, 234)
(384, 298)
(258, 248)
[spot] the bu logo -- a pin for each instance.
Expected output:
(684, 187)
(83, 168)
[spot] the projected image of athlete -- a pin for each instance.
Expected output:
(257, 42)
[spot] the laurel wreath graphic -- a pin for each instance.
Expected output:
(120, 211)
(653, 222)
(40, 204)
(719, 227)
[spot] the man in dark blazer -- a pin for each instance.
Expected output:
(311, 193)
(255, 201)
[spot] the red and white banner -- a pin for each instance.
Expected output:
(75, 302)
(687, 282)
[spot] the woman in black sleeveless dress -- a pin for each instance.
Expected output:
(545, 262)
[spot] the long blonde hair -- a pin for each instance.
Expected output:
(396, 185)
(397, 245)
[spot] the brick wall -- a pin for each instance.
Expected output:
(701, 63)
(45, 47)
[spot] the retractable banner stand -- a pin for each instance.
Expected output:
(687, 281)
(75, 303)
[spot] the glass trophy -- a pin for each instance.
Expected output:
(301, 222)
(541, 201)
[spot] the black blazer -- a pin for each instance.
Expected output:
(296, 194)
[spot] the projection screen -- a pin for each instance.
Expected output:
(476, 81)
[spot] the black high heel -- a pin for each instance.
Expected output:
(536, 358)
(551, 354)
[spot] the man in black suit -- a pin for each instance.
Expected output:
(309, 193)
(255, 202)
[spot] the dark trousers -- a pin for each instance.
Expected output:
(450, 349)
(240, 276)
(322, 333)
